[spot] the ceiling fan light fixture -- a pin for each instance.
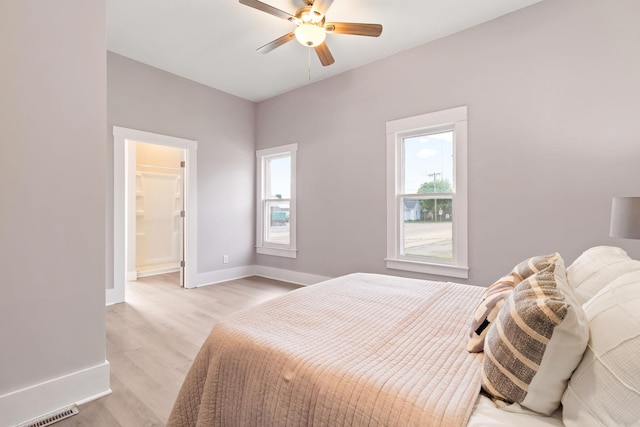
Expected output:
(310, 35)
(311, 28)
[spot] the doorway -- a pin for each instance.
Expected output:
(155, 243)
(125, 215)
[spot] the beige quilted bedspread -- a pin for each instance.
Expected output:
(358, 350)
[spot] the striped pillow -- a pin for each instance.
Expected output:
(538, 340)
(493, 298)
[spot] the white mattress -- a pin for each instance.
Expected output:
(486, 414)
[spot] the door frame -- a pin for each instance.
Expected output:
(123, 140)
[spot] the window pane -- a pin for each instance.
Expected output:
(278, 177)
(428, 163)
(277, 222)
(427, 228)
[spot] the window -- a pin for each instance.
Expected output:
(427, 193)
(276, 201)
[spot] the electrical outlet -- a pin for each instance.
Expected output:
(225, 259)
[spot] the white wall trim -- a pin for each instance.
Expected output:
(296, 277)
(282, 252)
(217, 276)
(120, 138)
(269, 248)
(435, 269)
(115, 295)
(454, 119)
(154, 272)
(40, 399)
(290, 276)
(154, 138)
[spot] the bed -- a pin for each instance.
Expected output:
(368, 349)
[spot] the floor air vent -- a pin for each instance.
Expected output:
(52, 418)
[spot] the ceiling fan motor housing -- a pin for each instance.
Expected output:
(305, 15)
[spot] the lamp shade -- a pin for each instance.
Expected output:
(310, 35)
(625, 217)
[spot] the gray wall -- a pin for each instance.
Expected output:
(554, 98)
(145, 98)
(52, 158)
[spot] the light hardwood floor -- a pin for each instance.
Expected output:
(152, 340)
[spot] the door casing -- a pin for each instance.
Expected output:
(123, 139)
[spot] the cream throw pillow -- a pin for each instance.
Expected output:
(493, 298)
(605, 388)
(536, 342)
(596, 268)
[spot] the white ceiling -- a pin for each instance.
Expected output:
(214, 42)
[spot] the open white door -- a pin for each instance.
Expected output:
(183, 217)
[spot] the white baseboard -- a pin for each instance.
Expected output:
(288, 275)
(154, 272)
(217, 276)
(32, 402)
(132, 275)
(114, 296)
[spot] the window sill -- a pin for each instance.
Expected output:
(286, 253)
(428, 268)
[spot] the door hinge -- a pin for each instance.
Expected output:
(182, 214)
(182, 264)
(182, 164)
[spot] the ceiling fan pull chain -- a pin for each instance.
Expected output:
(309, 67)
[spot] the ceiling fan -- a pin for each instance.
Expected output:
(311, 28)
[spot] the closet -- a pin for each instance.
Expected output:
(159, 200)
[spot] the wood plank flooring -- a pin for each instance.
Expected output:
(152, 340)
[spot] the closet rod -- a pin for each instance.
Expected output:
(158, 167)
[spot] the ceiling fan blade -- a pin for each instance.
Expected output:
(276, 43)
(370, 30)
(320, 7)
(324, 54)
(268, 9)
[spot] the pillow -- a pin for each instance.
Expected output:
(537, 341)
(596, 268)
(605, 388)
(493, 298)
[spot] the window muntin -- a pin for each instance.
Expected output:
(275, 230)
(427, 193)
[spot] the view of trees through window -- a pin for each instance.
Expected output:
(427, 229)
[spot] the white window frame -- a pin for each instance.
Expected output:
(269, 248)
(452, 119)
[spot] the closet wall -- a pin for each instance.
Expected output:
(158, 204)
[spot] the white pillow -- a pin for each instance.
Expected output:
(596, 268)
(605, 387)
(536, 342)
